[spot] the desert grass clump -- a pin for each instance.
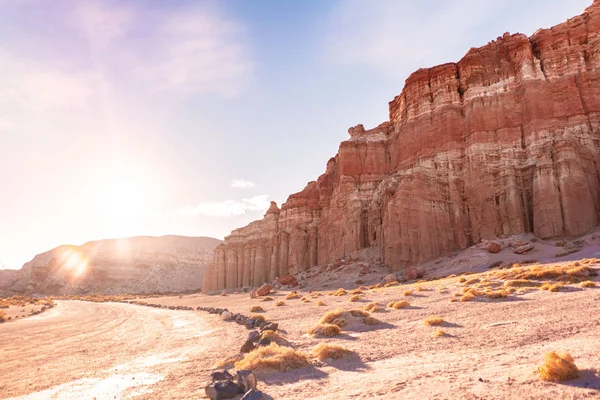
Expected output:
(371, 307)
(354, 298)
(305, 299)
(462, 279)
(408, 293)
(401, 304)
(433, 320)
(3, 317)
(588, 284)
(258, 318)
(370, 320)
(320, 303)
(468, 296)
(551, 287)
(378, 286)
(324, 351)
(356, 291)
(439, 333)
(257, 309)
(339, 292)
(325, 330)
(335, 317)
(280, 303)
(228, 362)
(558, 367)
(275, 337)
(268, 298)
(292, 295)
(273, 356)
(471, 281)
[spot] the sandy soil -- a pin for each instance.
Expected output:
(493, 349)
(17, 312)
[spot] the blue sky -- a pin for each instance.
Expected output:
(122, 118)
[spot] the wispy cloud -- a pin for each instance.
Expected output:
(241, 183)
(227, 208)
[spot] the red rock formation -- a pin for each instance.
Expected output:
(503, 142)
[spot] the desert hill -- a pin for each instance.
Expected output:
(142, 264)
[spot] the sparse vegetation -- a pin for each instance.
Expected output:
(257, 309)
(292, 295)
(280, 303)
(439, 333)
(401, 304)
(258, 318)
(268, 299)
(588, 284)
(273, 356)
(324, 351)
(354, 298)
(433, 320)
(408, 293)
(558, 368)
(325, 330)
(320, 303)
(3, 317)
(371, 307)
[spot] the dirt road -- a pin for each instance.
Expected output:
(82, 350)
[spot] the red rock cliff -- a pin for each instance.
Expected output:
(503, 142)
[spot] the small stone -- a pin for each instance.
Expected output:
(271, 326)
(226, 316)
(264, 290)
(247, 347)
(246, 380)
(253, 336)
(250, 323)
(524, 248)
(389, 278)
(221, 376)
(222, 390)
(494, 248)
(288, 280)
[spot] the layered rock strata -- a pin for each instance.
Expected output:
(503, 142)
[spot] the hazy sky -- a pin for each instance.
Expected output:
(122, 118)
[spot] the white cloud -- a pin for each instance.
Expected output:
(100, 22)
(241, 183)
(227, 208)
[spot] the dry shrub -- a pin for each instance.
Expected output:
(339, 292)
(325, 330)
(258, 318)
(320, 303)
(292, 295)
(370, 320)
(521, 283)
(356, 291)
(371, 307)
(324, 351)
(229, 362)
(306, 300)
(389, 284)
(471, 281)
(3, 317)
(558, 368)
(587, 284)
(439, 333)
(497, 294)
(354, 298)
(467, 296)
(343, 318)
(273, 356)
(453, 300)
(280, 303)
(408, 293)
(257, 309)
(378, 286)
(275, 337)
(268, 299)
(462, 279)
(551, 287)
(401, 304)
(433, 320)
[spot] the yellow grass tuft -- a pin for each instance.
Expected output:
(257, 309)
(433, 320)
(354, 298)
(275, 337)
(258, 318)
(320, 303)
(229, 362)
(3, 317)
(292, 295)
(401, 304)
(472, 281)
(468, 296)
(558, 367)
(378, 286)
(356, 291)
(551, 287)
(587, 284)
(408, 293)
(439, 333)
(273, 356)
(268, 299)
(325, 330)
(371, 307)
(462, 279)
(324, 351)
(370, 320)
(521, 283)
(280, 303)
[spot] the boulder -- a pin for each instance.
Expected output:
(253, 336)
(246, 380)
(264, 290)
(226, 316)
(222, 390)
(389, 278)
(494, 247)
(288, 280)
(247, 347)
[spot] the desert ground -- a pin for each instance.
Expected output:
(491, 347)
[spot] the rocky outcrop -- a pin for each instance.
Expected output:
(503, 142)
(133, 265)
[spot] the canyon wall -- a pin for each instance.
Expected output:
(503, 142)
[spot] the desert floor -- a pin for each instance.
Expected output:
(84, 350)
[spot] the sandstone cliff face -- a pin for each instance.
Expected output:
(503, 142)
(133, 265)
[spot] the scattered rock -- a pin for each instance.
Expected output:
(224, 293)
(253, 336)
(524, 249)
(288, 280)
(246, 380)
(264, 290)
(222, 390)
(250, 323)
(389, 278)
(271, 326)
(247, 347)
(221, 376)
(226, 316)
(494, 247)
(263, 342)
